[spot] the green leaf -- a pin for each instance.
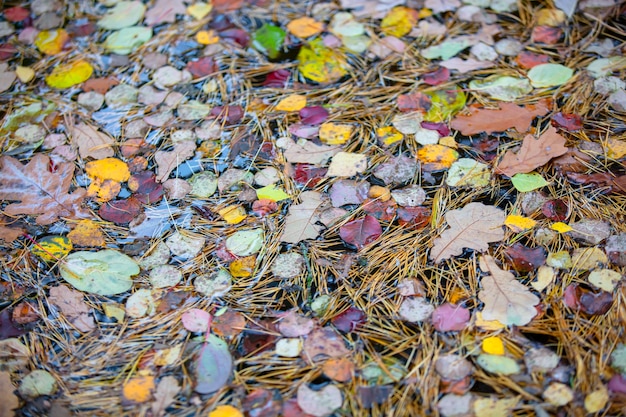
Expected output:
(445, 103)
(446, 49)
(38, 382)
(549, 75)
(503, 87)
(269, 40)
(214, 365)
(618, 358)
(272, 192)
(528, 182)
(106, 272)
(245, 242)
(124, 41)
(498, 364)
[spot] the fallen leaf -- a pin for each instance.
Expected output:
(301, 221)
(549, 75)
(595, 401)
(323, 343)
(399, 21)
(474, 227)
(519, 223)
(502, 87)
(262, 402)
(37, 383)
(335, 133)
(293, 324)
(163, 11)
(493, 345)
(415, 309)
(91, 142)
(533, 153)
(225, 411)
(164, 395)
(484, 407)
(73, 307)
(306, 152)
(304, 27)
(245, 242)
(505, 299)
(168, 160)
(506, 116)
(525, 259)
(139, 388)
(294, 102)
(51, 42)
(339, 369)
(319, 403)
(436, 157)
(361, 232)
(123, 14)
(450, 318)
(269, 39)
(320, 63)
(9, 400)
(349, 320)
(214, 366)
(196, 320)
(68, 75)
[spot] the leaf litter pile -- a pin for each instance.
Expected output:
(263, 208)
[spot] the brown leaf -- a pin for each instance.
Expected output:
(40, 190)
(164, 396)
(9, 400)
(168, 160)
(508, 115)
(322, 343)
(91, 142)
(300, 223)
(506, 299)
(474, 227)
(612, 184)
(533, 154)
(72, 306)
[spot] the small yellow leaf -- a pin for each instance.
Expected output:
(493, 345)
(139, 389)
(483, 324)
(399, 21)
(389, 135)
(52, 248)
(335, 133)
(272, 192)
(233, 214)
(105, 190)
(108, 169)
(449, 142)
(596, 401)
(225, 411)
(561, 227)
(305, 27)
(87, 233)
(617, 148)
(114, 311)
(519, 223)
(168, 356)
(437, 157)
(320, 63)
(294, 102)
(243, 267)
(25, 74)
(66, 76)
(207, 37)
(424, 13)
(551, 17)
(51, 42)
(199, 10)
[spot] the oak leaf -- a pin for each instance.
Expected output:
(301, 221)
(508, 115)
(473, 226)
(39, 190)
(506, 299)
(533, 153)
(91, 142)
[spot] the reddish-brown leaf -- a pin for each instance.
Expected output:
(508, 115)
(384, 211)
(533, 153)
(546, 34)
(413, 102)
(313, 115)
(525, 259)
(120, 211)
(566, 121)
(100, 85)
(555, 210)
(349, 320)
(612, 184)
(16, 14)
(528, 60)
(202, 67)
(436, 77)
(262, 403)
(361, 232)
(587, 301)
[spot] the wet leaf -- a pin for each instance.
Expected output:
(415, 309)
(272, 193)
(506, 116)
(436, 157)
(123, 14)
(321, 64)
(225, 411)
(519, 223)
(324, 343)
(525, 259)
(52, 248)
(319, 403)
(445, 103)
(228, 324)
(126, 40)
(165, 395)
(493, 346)
(361, 232)
(506, 300)
(349, 320)
(68, 75)
(450, 317)
(139, 388)
(269, 40)
(51, 42)
(339, 369)
(214, 366)
(245, 242)
(587, 301)
(335, 133)
(9, 400)
(294, 102)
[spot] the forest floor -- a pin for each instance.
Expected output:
(298, 208)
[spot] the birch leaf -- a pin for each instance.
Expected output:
(300, 223)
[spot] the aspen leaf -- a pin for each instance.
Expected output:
(474, 227)
(52, 248)
(519, 223)
(320, 63)
(493, 345)
(506, 299)
(272, 192)
(305, 27)
(199, 10)
(139, 389)
(335, 133)
(294, 102)
(561, 227)
(51, 42)
(233, 214)
(214, 365)
(389, 135)
(225, 411)
(399, 21)
(68, 75)
(528, 182)
(437, 157)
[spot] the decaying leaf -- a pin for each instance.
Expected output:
(73, 307)
(166, 391)
(506, 116)
(39, 190)
(91, 142)
(506, 299)
(473, 227)
(533, 153)
(301, 222)
(168, 160)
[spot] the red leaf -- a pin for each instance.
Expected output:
(232, 114)
(308, 175)
(546, 34)
(259, 337)
(527, 59)
(413, 102)
(450, 317)
(436, 77)
(414, 217)
(612, 184)
(313, 115)
(239, 36)
(383, 210)
(349, 320)
(120, 211)
(441, 128)
(7, 51)
(16, 14)
(221, 6)
(587, 301)
(360, 232)
(145, 188)
(202, 67)
(263, 207)
(262, 403)
(555, 210)
(524, 259)
(569, 122)
(277, 79)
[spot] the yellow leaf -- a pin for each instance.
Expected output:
(105, 190)
(294, 102)
(108, 169)
(66, 76)
(207, 37)
(139, 389)
(51, 42)
(272, 192)
(87, 233)
(617, 148)
(25, 74)
(449, 142)
(199, 10)
(399, 21)
(335, 133)
(168, 356)
(519, 223)
(52, 248)
(320, 63)
(389, 135)
(243, 267)
(561, 227)
(225, 411)
(233, 214)
(424, 13)
(437, 157)
(483, 324)
(114, 311)
(305, 27)
(493, 345)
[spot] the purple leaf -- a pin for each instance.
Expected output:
(349, 320)
(214, 366)
(313, 115)
(360, 232)
(450, 317)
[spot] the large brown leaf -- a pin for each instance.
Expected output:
(533, 154)
(40, 190)
(474, 227)
(508, 115)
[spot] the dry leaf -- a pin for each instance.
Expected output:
(508, 115)
(306, 152)
(533, 154)
(505, 298)
(164, 396)
(474, 227)
(168, 160)
(91, 142)
(9, 400)
(300, 223)
(72, 306)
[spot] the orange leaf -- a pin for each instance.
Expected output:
(51, 42)
(508, 115)
(339, 369)
(139, 389)
(87, 233)
(305, 27)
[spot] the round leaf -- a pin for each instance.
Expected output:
(106, 272)
(38, 382)
(245, 242)
(214, 366)
(269, 40)
(66, 76)
(549, 75)
(196, 320)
